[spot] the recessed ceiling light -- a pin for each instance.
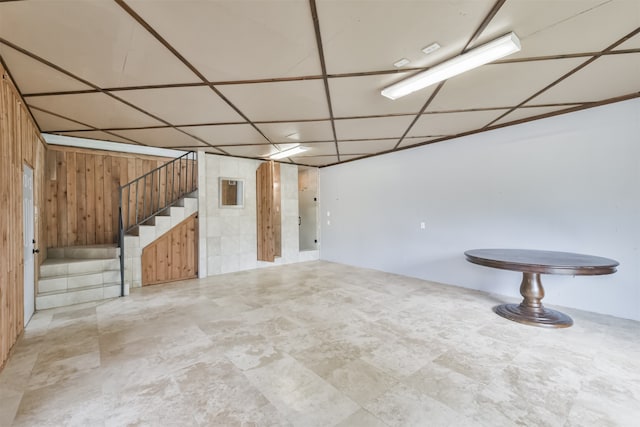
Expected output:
(432, 47)
(295, 136)
(401, 62)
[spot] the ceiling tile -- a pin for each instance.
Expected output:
(453, 123)
(95, 40)
(307, 131)
(372, 35)
(226, 134)
(295, 100)
(183, 105)
(360, 96)
(499, 85)
(319, 149)
(259, 150)
(95, 109)
(383, 127)
(528, 112)
(607, 77)
(317, 161)
(48, 122)
(558, 27)
(366, 147)
(243, 39)
(33, 76)
(99, 135)
(161, 137)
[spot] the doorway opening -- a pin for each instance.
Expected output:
(308, 208)
(28, 244)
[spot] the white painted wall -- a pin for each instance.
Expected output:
(565, 183)
(228, 236)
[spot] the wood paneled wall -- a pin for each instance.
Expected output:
(82, 192)
(269, 221)
(20, 144)
(174, 256)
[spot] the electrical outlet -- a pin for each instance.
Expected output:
(423, 226)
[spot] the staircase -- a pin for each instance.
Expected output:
(78, 274)
(149, 206)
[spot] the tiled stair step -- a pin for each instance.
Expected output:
(84, 252)
(71, 266)
(70, 282)
(77, 296)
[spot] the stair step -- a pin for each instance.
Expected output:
(77, 296)
(70, 282)
(71, 266)
(84, 252)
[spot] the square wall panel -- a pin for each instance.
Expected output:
(382, 127)
(367, 147)
(372, 35)
(242, 39)
(183, 105)
(360, 96)
(606, 77)
(500, 85)
(161, 137)
(50, 123)
(33, 76)
(453, 123)
(226, 134)
(95, 40)
(307, 131)
(561, 27)
(283, 101)
(95, 109)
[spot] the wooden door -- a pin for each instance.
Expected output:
(174, 256)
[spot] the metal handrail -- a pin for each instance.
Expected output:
(158, 194)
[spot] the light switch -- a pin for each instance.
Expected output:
(423, 226)
(328, 222)
(328, 213)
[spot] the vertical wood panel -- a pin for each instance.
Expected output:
(82, 191)
(174, 256)
(268, 211)
(19, 144)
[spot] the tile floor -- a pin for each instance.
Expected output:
(317, 344)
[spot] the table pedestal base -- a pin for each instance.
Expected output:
(531, 311)
(546, 317)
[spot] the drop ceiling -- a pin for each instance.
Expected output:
(238, 77)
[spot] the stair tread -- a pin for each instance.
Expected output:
(60, 276)
(58, 261)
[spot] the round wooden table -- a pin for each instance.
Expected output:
(532, 263)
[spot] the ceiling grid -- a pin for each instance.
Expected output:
(247, 78)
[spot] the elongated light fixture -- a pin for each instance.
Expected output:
(289, 152)
(488, 52)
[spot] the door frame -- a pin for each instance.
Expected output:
(28, 243)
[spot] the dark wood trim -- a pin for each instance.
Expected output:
(323, 66)
(584, 106)
(483, 25)
(182, 59)
(96, 87)
(485, 22)
(92, 128)
(318, 77)
(15, 85)
(566, 75)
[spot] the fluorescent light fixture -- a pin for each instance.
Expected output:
(488, 52)
(288, 153)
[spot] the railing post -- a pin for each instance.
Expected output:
(121, 244)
